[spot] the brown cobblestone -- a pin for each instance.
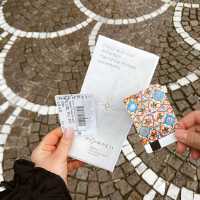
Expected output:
(93, 189)
(142, 188)
(107, 188)
(134, 195)
(168, 173)
(123, 186)
(103, 176)
(189, 170)
(82, 187)
(116, 196)
(174, 162)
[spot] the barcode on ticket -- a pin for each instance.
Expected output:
(81, 115)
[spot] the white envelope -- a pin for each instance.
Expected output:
(116, 71)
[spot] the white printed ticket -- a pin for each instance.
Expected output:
(77, 111)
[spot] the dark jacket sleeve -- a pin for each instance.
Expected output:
(34, 183)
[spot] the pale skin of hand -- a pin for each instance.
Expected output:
(52, 153)
(188, 134)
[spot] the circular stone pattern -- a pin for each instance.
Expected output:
(40, 69)
(122, 8)
(42, 15)
(191, 22)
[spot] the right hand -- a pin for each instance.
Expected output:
(188, 134)
(52, 153)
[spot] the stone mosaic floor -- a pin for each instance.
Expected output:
(45, 50)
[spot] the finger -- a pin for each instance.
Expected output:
(190, 138)
(52, 138)
(80, 162)
(75, 164)
(180, 125)
(69, 159)
(197, 128)
(65, 144)
(180, 148)
(195, 154)
(191, 119)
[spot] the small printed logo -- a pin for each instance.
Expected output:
(158, 95)
(169, 120)
(132, 106)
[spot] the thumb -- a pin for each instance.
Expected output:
(64, 144)
(188, 137)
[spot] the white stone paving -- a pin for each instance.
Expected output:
(160, 186)
(4, 132)
(3, 138)
(93, 36)
(150, 196)
(192, 77)
(130, 156)
(3, 35)
(173, 191)
(136, 161)
(1, 172)
(186, 194)
(37, 35)
(106, 20)
(13, 98)
(150, 177)
(5, 129)
(127, 149)
(179, 28)
(188, 79)
(140, 169)
(183, 81)
(4, 107)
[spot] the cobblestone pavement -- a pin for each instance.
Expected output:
(45, 50)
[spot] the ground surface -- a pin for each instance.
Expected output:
(49, 46)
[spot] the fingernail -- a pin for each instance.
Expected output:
(68, 132)
(181, 136)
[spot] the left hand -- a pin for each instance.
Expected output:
(52, 153)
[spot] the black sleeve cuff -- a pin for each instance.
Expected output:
(35, 183)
